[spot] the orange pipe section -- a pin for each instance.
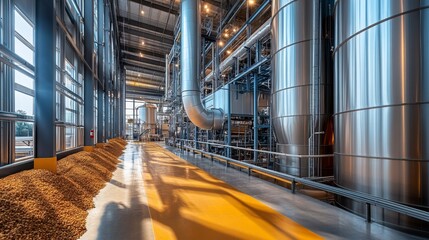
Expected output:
(186, 202)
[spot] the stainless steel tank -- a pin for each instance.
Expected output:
(382, 104)
(299, 107)
(147, 118)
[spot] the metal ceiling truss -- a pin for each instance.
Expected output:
(157, 6)
(139, 63)
(141, 24)
(127, 29)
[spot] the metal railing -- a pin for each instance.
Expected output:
(367, 199)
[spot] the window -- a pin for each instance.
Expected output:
(23, 42)
(24, 103)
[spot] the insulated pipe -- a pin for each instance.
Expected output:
(167, 75)
(190, 69)
(262, 31)
(144, 85)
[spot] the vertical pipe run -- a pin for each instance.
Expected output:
(190, 69)
(167, 76)
(255, 105)
(255, 117)
(228, 151)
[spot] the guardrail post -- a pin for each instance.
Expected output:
(368, 212)
(227, 163)
(250, 171)
(293, 187)
(211, 157)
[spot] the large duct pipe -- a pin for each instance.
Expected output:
(190, 69)
(144, 85)
(382, 105)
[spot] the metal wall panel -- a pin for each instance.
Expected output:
(297, 53)
(382, 104)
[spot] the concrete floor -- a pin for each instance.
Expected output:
(122, 209)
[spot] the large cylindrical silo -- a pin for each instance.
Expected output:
(302, 84)
(147, 117)
(382, 104)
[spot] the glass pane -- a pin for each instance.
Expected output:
(58, 106)
(23, 51)
(70, 137)
(24, 28)
(70, 117)
(23, 139)
(24, 103)
(70, 84)
(24, 80)
(59, 133)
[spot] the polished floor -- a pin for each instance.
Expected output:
(159, 192)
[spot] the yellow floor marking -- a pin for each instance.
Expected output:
(187, 203)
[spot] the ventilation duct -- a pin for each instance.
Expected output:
(190, 69)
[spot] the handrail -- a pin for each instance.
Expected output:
(260, 151)
(357, 196)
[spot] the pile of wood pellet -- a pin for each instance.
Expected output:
(38, 204)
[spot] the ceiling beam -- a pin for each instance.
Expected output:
(142, 91)
(144, 80)
(136, 68)
(213, 2)
(146, 56)
(150, 27)
(152, 46)
(131, 73)
(144, 65)
(127, 29)
(158, 6)
(143, 59)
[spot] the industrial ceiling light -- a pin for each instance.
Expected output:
(142, 12)
(234, 29)
(177, 65)
(229, 51)
(206, 6)
(226, 35)
(141, 54)
(251, 2)
(220, 44)
(142, 42)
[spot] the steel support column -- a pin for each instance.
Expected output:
(88, 84)
(101, 68)
(45, 144)
(107, 74)
(255, 117)
(255, 103)
(228, 151)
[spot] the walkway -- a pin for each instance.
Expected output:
(156, 194)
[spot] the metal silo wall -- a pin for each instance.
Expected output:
(293, 64)
(382, 104)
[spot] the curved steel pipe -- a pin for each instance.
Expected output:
(190, 69)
